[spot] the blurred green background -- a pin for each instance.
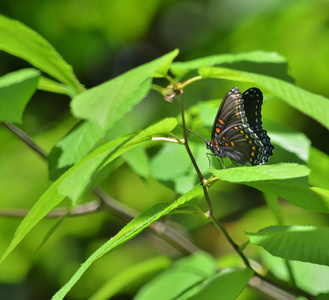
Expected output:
(104, 38)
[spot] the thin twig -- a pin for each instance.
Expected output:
(25, 138)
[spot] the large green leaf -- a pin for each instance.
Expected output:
(315, 106)
(21, 41)
(128, 232)
(288, 181)
(74, 181)
(227, 285)
(262, 173)
(16, 89)
(302, 243)
(269, 63)
(110, 101)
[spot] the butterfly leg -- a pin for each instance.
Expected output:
(221, 162)
(207, 154)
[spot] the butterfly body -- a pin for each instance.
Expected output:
(237, 131)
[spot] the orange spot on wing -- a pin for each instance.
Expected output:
(217, 130)
(223, 138)
(226, 144)
(232, 144)
(221, 121)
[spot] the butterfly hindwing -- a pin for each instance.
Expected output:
(253, 100)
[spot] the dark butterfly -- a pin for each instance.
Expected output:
(237, 132)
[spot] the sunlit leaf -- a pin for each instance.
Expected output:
(49, 85)
(315, 106)
(262, 173)
(110, 101)
(21, 41)
(288, 181)
(269, 63)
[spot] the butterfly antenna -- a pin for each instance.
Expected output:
(189, 130)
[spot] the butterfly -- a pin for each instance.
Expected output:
(237, 132)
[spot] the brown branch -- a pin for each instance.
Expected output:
(163, 231)
(82, 209)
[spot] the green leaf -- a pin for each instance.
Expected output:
(288, 181)
(227, 285)
(182, 275)
(289, 140)
(315, 106)
(302, 243)
(269, 63)
(16, 89)
(23, 42)
(79, 176)
(127, 233)
(297, 193)
(130, 276)
(262, 173)
(48, 85)
(110, 101)
(172, 166)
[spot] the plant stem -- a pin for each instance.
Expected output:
(213, 218)
(189, 81)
